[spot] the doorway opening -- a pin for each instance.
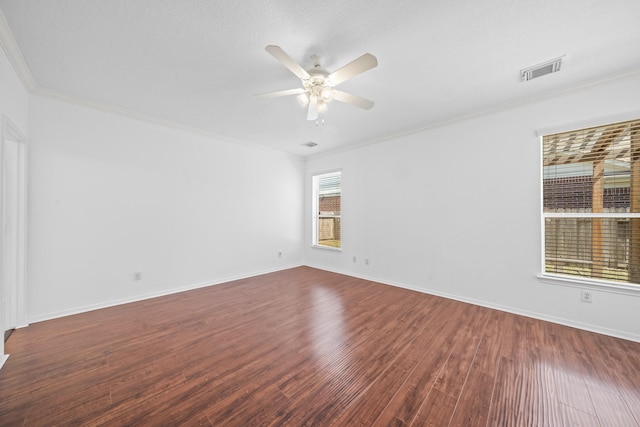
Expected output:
(13, 168)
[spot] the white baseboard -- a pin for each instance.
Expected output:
(513, 310)
(106, 304)
(562, 321)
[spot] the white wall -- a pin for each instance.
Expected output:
(13, 105)
(112, 195)
(455, 210)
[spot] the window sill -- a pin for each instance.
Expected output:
(584, 283)
(326, 248)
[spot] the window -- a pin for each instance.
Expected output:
(591, 203)
(327, 189)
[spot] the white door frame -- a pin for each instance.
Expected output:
(15, 294)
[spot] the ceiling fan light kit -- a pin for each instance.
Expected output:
(318, 83)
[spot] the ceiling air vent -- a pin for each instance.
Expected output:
(541, 69)
(310, 144)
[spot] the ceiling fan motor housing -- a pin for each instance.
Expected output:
(318, 83)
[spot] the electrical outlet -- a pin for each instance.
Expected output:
(137, 276)
(354, 258)
(279, 254)
(366, 261)
(585, 296)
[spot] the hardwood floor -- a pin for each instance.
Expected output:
(308, 347)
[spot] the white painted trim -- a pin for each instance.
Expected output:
(591, 215)
(586, 283)
(590, 123)
(575, 281)
(70, 99)
(17, 60)
(142, 297)
(10, 132)
(485, 112)
(314, 177)
(543, 222)
(14, 54)
(3, 358)
(326, 248)
(558, 320)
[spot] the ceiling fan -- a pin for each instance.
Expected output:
(318, 84)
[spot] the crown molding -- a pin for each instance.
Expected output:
(108, 108)
(14, 54)
(20, 66)
(490, 110)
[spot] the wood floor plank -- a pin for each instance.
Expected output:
(543, 407)
(506, 398)
(309, 347)
(437, 408)
(472, 407)
(411, 395)
(453, 376)
(611, 409)
(368, 356)
(474, 401)
(374, 400)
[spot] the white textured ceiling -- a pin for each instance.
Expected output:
(198, 63)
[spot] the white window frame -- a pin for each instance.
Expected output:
(576, 281)
(315, 178)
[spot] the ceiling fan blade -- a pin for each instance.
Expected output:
(352, 69)
(293, 66)
(312, 113)
(281, 93)
(347, 98)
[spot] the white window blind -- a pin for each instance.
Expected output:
(591, 202)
